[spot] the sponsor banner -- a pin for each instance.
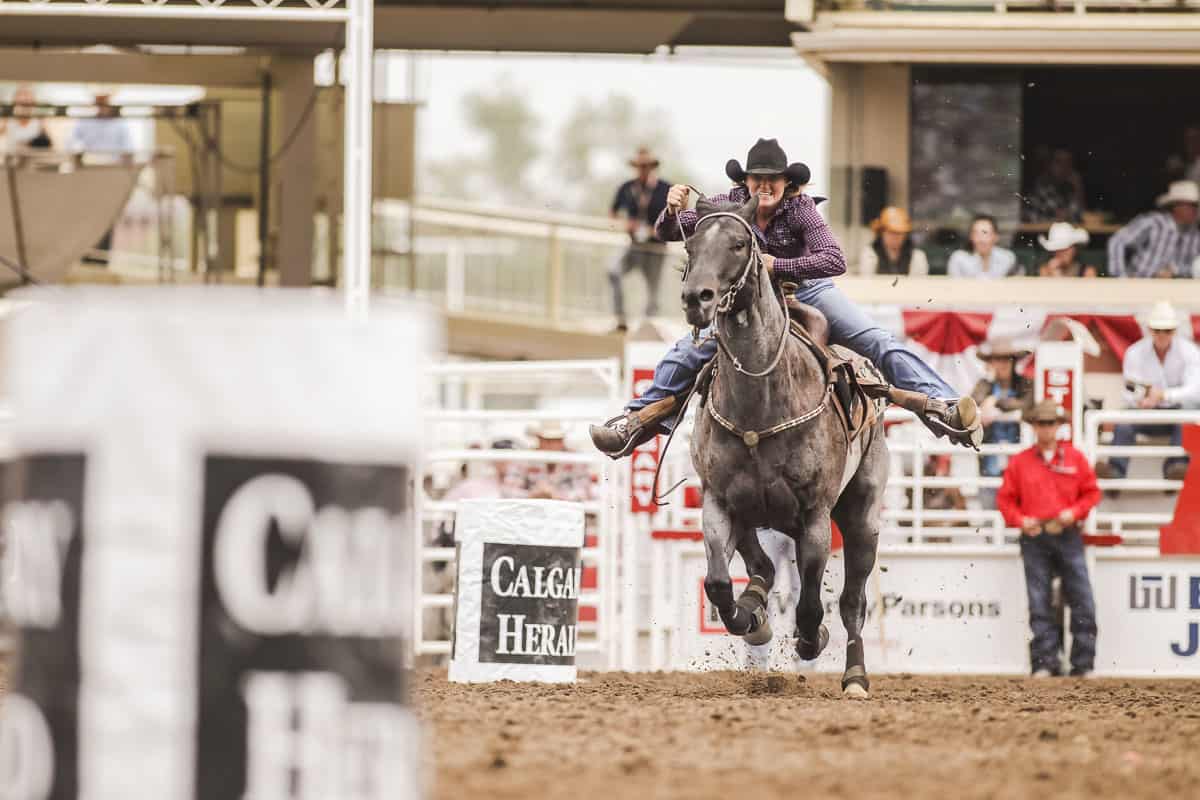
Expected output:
(301, 650)
(517, 593)
(1147, 615)
(925, 613)
(643, 463)
(1059, 378)
(44, 539)
(231, 610)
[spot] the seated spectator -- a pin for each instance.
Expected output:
(1186, 166)
(23, 130)
(892, 252)
(1159, 244)
(1001, 397)
(552, 480)
(1161, 370)
(1048, 490)
(1063, 243)
(499, 479)
(982, 259)
(1057, 193)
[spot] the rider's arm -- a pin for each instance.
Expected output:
(666, 227)
(824, 258)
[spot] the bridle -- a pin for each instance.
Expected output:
(725, 304)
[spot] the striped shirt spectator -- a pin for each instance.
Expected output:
(1164, 243)
(797, 236)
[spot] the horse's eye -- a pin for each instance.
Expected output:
(739, 245)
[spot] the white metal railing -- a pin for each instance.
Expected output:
(457, 418)
(1003, 6)
(1135, 528)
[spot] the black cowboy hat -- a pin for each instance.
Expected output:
(768, 158)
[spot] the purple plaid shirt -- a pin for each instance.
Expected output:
(797, 236)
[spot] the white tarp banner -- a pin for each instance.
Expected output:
(517, 595)
(926, 612)
(209, 545)
(1148, 615)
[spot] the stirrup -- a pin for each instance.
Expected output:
(637, 434)
(970, 436)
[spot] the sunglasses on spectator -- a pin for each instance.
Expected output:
(1042, 422)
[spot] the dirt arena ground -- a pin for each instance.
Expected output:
(676, 735)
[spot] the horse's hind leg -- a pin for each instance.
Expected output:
(761, 570)
(857, 516)
(721, 535)
(812, 551)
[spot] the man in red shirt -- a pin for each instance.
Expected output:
(1048, 491)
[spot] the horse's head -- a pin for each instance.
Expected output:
(719, 260)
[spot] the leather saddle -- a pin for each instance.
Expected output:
(857, 384)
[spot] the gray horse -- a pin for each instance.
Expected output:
(771, 452)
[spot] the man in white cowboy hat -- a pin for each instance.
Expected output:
(639, 201)
(552, 480)
(1161, 370)
(1161, 243)
(1063, 241)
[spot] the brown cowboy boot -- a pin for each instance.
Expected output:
(959, 421)
(620, 435)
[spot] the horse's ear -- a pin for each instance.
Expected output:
(748, 209)
(704, 207)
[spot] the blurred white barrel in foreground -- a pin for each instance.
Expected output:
(208, 546)
(517, 595)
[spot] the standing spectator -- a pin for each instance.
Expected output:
(1048, 491)
(1164, 242)
(892, 252)
(982, 259)
(23, 130)
(552, 480)
(639, 201)
(104, 133)
(1057, 193)
(1161, 370)
(1063, 241)
(1002, 396)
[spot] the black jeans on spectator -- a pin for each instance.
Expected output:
(1125, 435)
(1046, 556)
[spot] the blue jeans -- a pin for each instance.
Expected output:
(849, 326)
(1127, 434)
(1046, 556)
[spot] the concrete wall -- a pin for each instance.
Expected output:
(870, 126)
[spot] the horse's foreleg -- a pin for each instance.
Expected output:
(720, 541)
(761, 570)
(812, 551)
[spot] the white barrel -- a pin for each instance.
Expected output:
(209, 536)
(517, 594)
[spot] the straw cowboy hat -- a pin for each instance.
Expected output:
(1063, 235)
(892, 219)
(1162, 317)
(547, 430)
(1046, 411)
(1000, 347)
(1179, 192)
(644, 158)
(766, 157)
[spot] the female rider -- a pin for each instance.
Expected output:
(797, 246)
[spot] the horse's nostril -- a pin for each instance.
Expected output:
(707, 295)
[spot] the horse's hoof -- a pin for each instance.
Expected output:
(808, 650)
(760, 636)
(855, 691)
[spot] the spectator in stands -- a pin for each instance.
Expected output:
(1002, 397)
(982, 259)
(1048, 491)
(23, 130)
(1186, 167)
(556, 481)
(639, 201)
(1161, 370)
(1063, 241)
(498, 480)
(1164, 243)
(892, 252)
(1057, 193)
